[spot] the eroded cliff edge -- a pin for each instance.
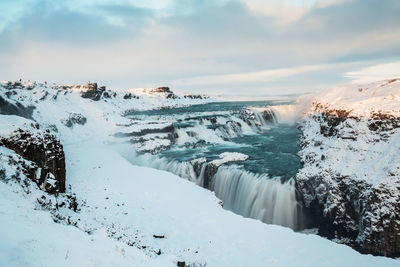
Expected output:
(350, 181)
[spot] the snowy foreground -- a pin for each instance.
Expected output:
(130, 215)
(141, 202)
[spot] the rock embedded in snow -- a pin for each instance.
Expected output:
(74, 118)
(350, 181)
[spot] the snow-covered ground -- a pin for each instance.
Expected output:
(131, 215)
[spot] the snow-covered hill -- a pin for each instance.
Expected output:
(351, 176)
(115, 213)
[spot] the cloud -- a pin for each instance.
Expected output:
(199, 45)
(283, 13)
(249, 77)
(375, 73)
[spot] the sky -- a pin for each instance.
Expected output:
(236, 47)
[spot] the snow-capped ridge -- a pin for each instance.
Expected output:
(363, 100)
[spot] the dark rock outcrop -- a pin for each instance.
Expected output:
(166, 129)
(269, 116)
(130, 96)
(46, 152)
(206, 169)
(8, 108)
(164, 90)
(190, 96)
(93, 92)
(74, 118)
(209, 172)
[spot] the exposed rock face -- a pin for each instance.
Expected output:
(347, 197)
(93, 92)
(269, 115)
(209, 172)
(8, 108)
(205, 169)
(165, 129)
(46, 152)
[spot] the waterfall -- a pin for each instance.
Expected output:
(251, 195)
(257, 196)
(259, 118)
(264, 116)
(202, 172)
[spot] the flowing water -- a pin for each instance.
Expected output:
(261, 187)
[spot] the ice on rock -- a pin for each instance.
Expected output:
(229, 157)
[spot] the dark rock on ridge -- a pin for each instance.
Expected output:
(93, 92)
(195, 96)
(165, 90)
(130, 96)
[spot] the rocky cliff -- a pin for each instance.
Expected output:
(42, 149)
(349, 185)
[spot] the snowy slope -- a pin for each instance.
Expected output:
(364, 100)
(30, 237)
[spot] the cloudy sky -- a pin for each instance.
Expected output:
(241, 47)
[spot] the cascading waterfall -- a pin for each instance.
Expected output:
(202, 173)
(182, 169)
(265, 116)
(257, 196)
(252, 194)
